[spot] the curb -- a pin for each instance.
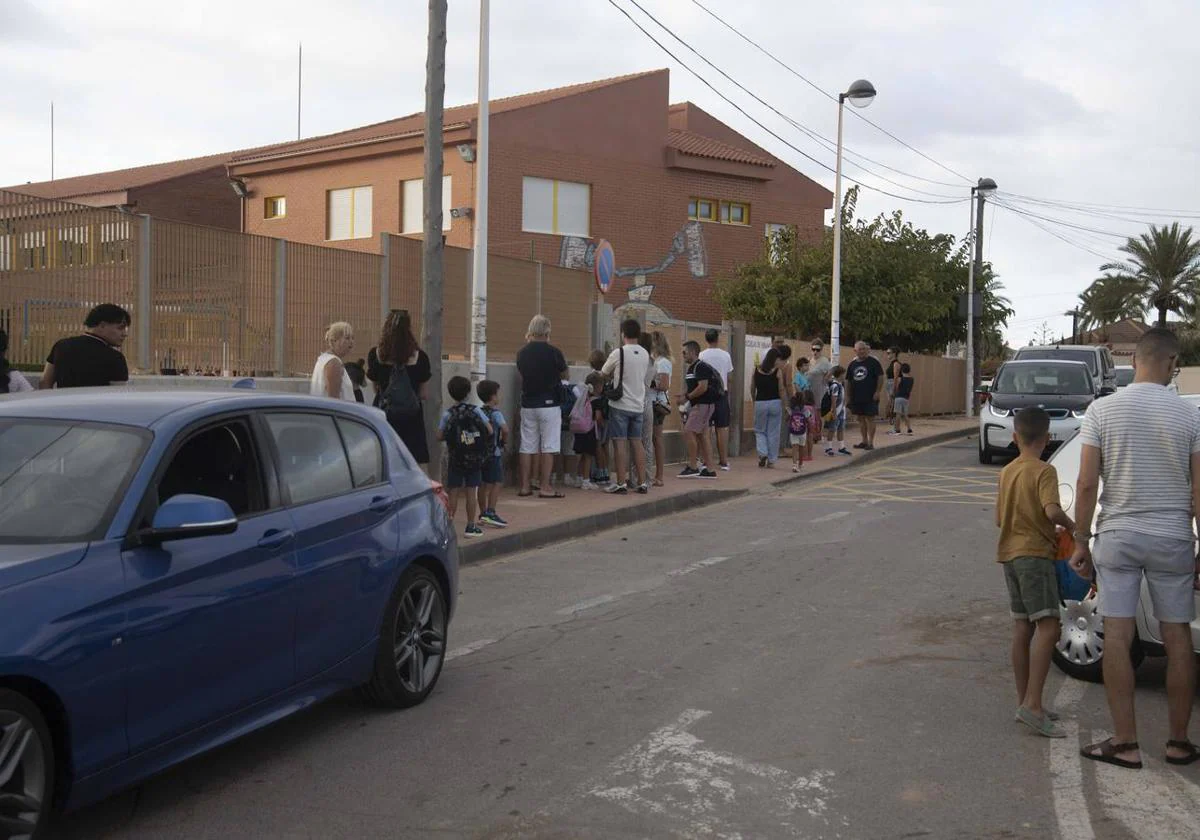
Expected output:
(584, 526)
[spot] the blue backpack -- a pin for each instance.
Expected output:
(566, 402)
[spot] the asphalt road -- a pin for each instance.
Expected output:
(829, 661)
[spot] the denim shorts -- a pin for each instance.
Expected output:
(625, 425)
(838, 424)
(493, 471)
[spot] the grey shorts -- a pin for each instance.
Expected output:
(1032, 588)
(1169, 566)
(901, 406)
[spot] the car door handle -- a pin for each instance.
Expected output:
(274, 539)
(382, 504)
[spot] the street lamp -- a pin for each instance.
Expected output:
(979, 193)
(859, 95)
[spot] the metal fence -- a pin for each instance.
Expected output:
(207, 300)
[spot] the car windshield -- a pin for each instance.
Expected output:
(59, 480)
(1042, 379)
(1124, 377)
(1086, 356)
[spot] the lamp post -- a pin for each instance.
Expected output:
(859, 95)
(479, 278)
(979, 192)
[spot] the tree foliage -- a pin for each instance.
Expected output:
(1161, 274)
(900, 286)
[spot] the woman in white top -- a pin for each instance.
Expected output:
(11, 382)
(329, 377)
(661, 389)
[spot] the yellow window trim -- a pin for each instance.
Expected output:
(554, 207)
(271, 203)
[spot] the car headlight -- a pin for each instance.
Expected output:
(1079, 413)
(998, 412)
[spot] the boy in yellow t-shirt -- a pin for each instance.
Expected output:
(1027, 509)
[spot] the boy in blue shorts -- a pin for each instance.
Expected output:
(835, 417)
(493, 468)
(468, 436)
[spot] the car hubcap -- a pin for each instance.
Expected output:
(1082, 639)
(22, 776)
(420, 636)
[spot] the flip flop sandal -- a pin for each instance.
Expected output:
(1106, 753)
(1192, 749)
(525, 495)
(551, 496)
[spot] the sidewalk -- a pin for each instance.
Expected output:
(535, 522)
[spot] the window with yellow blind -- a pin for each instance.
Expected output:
(735, 213)
(349, 213)
(412, 205)
(557, 207)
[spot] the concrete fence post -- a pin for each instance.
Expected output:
(737, 384)
(385, 275)
(144, 314)
(281, 307)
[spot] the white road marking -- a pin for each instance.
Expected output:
(699, 564)
(670, 775)
(465, 650)
(829, 517)
(1070, 804)
(1154, 803)
(587, 605)
(762, 541)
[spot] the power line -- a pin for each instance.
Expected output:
(1067, 224)
(743, 112)
(1116, 207)
(1055, 234)
(825, 93)
(1083, 211)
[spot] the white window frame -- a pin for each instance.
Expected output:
(560, 223)
(406, 225)
(357, 195)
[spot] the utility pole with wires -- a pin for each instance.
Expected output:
(431, 264)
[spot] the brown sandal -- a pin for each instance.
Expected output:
(1106, 753)
(1193, 752)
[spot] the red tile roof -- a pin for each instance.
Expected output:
(698, 145)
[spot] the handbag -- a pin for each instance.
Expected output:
(613, 391)
(661, 409)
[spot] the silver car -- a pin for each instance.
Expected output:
(1080, 649)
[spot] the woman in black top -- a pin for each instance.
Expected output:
(398, 342)
(768, 390)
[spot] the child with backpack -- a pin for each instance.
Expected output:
(468, 436)
(798, 429)
(562, 466)
(493, 468)
(833, 412)
(586, 422)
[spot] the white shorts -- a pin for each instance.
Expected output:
(541, 431)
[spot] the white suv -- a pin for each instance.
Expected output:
(1063, 389)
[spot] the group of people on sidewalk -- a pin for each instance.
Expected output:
(814, 396)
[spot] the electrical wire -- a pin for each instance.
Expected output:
(1054, 233)
(1044, 206)
(1113, 207)
(825, 93)
(743, 112)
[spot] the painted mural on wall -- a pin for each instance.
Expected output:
(688, 242)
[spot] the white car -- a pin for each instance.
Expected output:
(1064, 389)
(1080, 649)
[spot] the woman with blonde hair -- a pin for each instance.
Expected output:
(329, 376)
(398, 354)
(661, 391)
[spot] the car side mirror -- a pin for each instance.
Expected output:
(1107, 391)
(188, 516)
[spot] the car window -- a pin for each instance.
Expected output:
(217, 462)
(1045, 379)
(365, 451)
(312, 461)
(1088, 357)
(51, 469)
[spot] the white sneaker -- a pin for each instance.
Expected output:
(725, 468)
(586, 485)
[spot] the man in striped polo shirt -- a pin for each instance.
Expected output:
(1144, 442)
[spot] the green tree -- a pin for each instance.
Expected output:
(1110, 299)
(900, 285)
(1163, 266)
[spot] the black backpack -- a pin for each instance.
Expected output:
(399, 398)
(827, 402)
(467, 439)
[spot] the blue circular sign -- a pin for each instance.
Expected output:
(605, 265)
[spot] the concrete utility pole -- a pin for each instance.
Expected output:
(431, 265)
(985, 187)
(479, 278)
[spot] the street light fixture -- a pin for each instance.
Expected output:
(860, 94)
(979, 192)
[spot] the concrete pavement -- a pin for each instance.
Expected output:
(827, 660)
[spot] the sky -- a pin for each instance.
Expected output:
(1070, 103)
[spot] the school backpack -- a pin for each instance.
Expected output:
(566, 403)
(399, 399)
(797, 422)
(582, 416)
(827, 402)
(467, 440)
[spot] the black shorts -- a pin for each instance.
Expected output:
(585, 444)
(865, 409)
(720, 418)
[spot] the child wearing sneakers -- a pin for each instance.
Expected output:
(586, 421)
(797, 430)
(833, 406)
(1027, 509)
(903, 395)
(493, 468)
(468, 436)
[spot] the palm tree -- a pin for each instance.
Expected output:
(1164, 265)
(1110, 299)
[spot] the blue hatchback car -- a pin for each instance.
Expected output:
(180, 568)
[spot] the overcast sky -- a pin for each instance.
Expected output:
(1078, 104)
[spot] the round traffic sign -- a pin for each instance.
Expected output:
(605, 265)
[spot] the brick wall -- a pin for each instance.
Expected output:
(204, 198)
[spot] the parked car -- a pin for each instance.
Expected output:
(180, 568)
(1080, 648)
(1098, 359)
(1063, 388)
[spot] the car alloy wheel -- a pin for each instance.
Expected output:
(420, 640)
(25, 772)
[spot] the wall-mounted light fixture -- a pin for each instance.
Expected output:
(239, 187)
(467, 152)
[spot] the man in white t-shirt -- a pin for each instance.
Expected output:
(628, 364)
(720, 361)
